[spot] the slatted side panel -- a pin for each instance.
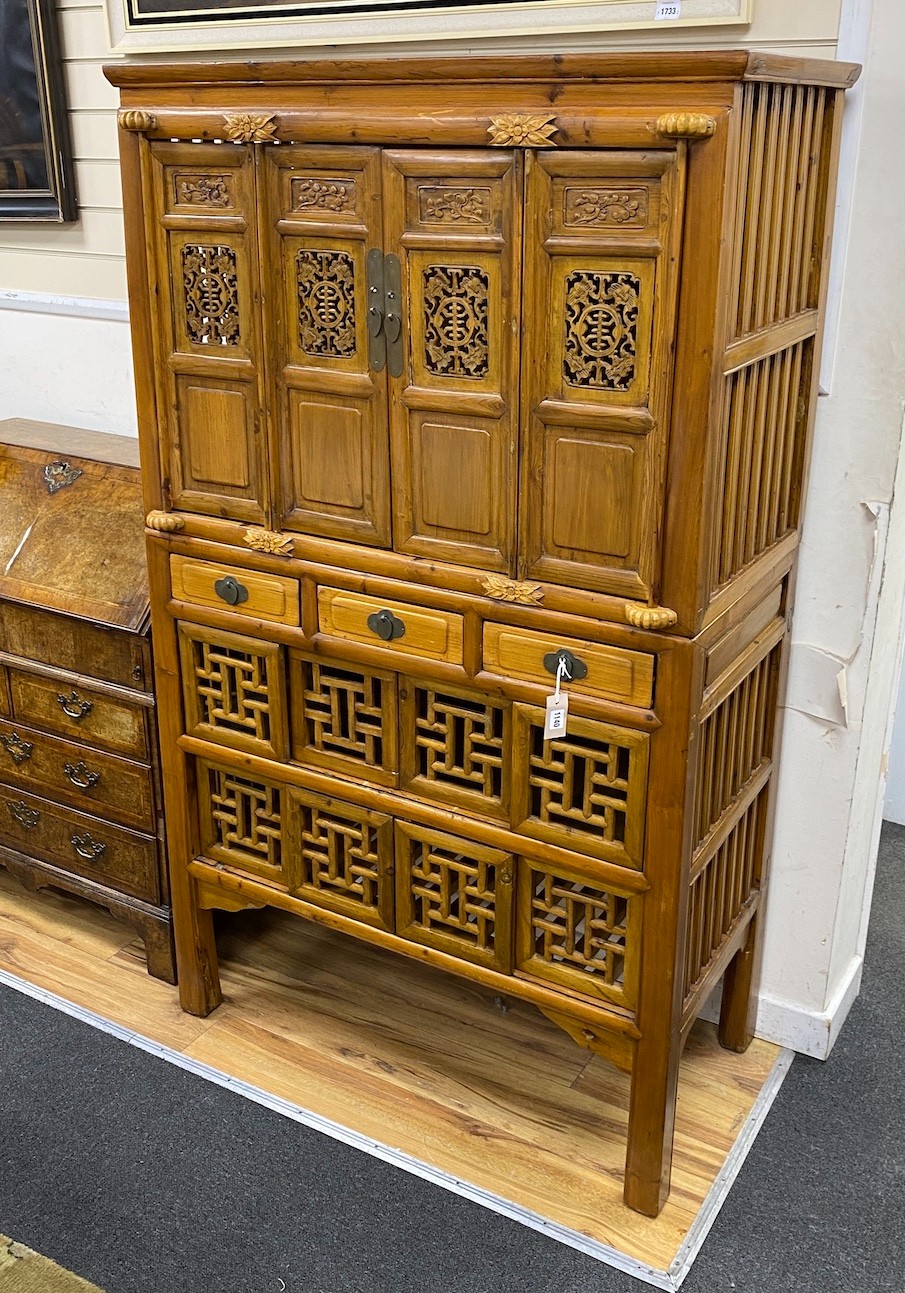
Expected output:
(785, 137)
(765, 425)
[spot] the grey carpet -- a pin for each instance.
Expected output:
(147, 1179)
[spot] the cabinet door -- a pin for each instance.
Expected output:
(330, 449)
(454, 220)
(209, 332)
(602, 239)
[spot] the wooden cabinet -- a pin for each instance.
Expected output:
(453, 376)
(80, 799)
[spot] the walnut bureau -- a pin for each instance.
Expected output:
(454, 375)
(80, 800)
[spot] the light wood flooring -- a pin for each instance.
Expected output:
(423, 1062)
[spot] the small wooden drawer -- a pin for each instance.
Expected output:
(230, 588)
(80, 845)
(410, 630)
(80, 713)
(613, 673)
(84, 778)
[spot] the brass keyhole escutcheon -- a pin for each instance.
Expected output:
(386, 625)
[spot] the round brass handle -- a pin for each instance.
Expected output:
(80, 775)
(386, 625)
(231, 591)
(73, 706)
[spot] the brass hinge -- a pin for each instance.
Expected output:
(384, 314)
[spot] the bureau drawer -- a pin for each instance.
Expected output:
(613, 673)
(80, 713)
(245, 592)
(411, 630)
(79, 844)
(84, 778)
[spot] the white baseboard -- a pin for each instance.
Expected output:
(75, 307)
(808, 1031)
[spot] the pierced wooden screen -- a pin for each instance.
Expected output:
(585, 790)
(340, 856)
(344, 717)
(577, 933)
(234, 690)
(240, 821)
(455, 895)
(456, 747)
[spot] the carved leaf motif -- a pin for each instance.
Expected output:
(326, 296)
(211, 294)
(203, 190)
(511, 590)
(615, 206)
(269, 541)
(250, 127)
(332, 196)
(456, 320)
(466, 205)
(522, 130)
(601, 327)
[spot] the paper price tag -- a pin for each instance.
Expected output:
(668, 10)
(557, 716)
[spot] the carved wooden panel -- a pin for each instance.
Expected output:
(341, 857)
(344, 717)
(331, 429)
(240, 821)
(599, 314)
(586, 790)
(455, 219)
(578, 933)
(455, 895)
(205, 278)
(455, 746)
(234, 690)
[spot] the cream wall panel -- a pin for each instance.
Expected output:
(83, 33)
(52, 273)
(94, 135)
(88, 87)
(99, 185)
(97, 233)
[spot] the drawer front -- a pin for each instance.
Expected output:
(612, 672)
(84, 778)
(64, 642)
(81, 845)
(88, 716)
(397, 626)
(230, 588)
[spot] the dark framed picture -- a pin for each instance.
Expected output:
(36, 173)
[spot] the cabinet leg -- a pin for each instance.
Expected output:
(196, 955)
(736, 1029)
(652, 1113)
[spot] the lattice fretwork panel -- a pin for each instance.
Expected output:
(344, 717)
(234, 691)
(734, 741)
(211, 294)
(340, 856)
(585, 790)
(458, 745)
(456, 335)
(326, 303)
(241, 822)
(601, 329)
(454, 894)
(721, 887)
(577, 933)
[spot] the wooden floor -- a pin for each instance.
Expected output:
(418, 1060)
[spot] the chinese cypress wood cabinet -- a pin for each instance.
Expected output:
(454, 375)
(80, 799)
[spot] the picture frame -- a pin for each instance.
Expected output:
(162, 26)
(37, 178)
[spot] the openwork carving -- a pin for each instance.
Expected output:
(250, 127)
(211, 290)
(135, 119)
(454, 206)
(580, 784)
(649, 617)
(245, 816)
(686, 125)
(203, 190)
(344, 713)
(280, 545)
(522, 130)
(342, 854)
(164, 522)
(322, 195)
(622, 207)
(578, 925)
(455, 320)
(512, 590)
(601, 327)
(233, 689)
(326, 294)
(453, 891)
(460, 743)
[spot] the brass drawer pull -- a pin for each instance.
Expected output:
(386, 625)
(80, 775)
(231, 591)
(73, 706)
(18, 750)
(88, 847)
(573, 667)
(25, 816)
